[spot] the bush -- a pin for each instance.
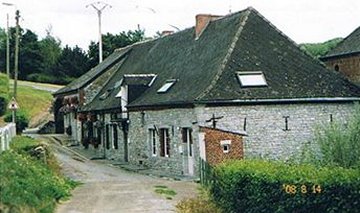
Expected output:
(335, 144)
(259, 186)
(29, 185)
(4, 93)
(45, 78)
(21, 119)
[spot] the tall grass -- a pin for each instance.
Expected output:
(338, 144)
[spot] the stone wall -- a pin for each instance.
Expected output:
(172, 119)
(214, 149)
(265, 125)
(349, 66)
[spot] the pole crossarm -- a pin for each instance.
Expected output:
(99, 7)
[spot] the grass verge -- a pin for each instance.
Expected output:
(31, 179)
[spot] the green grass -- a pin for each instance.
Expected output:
(33, 101)
(164, 190)
(31, 184)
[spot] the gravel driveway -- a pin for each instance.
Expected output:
(110, 189)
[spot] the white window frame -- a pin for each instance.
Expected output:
(168, 84)
(166, 137)
(225, 143)
(245, 81)
(153, 142)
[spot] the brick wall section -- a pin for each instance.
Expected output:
(349, 66)
(214, 150)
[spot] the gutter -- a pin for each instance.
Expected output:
(282, 101)
(339, 55)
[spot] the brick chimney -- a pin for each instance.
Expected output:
(202, 20)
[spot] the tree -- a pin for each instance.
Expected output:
(50, 50)
(318, 50)
(112, 42)
(30, 59)
(2, 50)
(72, 62)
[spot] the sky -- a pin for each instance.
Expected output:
(304, 21)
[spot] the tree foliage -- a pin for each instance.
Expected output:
(45, 60)
(318, 50)
(112, 42)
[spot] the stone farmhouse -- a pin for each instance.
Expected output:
(230, 87)
(345, 57)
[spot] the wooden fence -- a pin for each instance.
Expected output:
(6, 135)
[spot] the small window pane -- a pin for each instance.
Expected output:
(251, 79)
(166, 86)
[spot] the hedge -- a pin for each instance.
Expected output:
(21, 118)
(260, 186)
(4, 93)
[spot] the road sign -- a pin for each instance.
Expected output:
(13, 105)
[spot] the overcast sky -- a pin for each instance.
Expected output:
(74, 24)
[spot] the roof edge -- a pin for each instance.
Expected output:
(327, 57)
(127, 50)
(286, 100)
(226, 131)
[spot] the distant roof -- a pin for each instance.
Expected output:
(206, 68)
(349, 45)
(92, 74)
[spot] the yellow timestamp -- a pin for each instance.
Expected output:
(303, 189)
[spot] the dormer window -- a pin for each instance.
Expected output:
(168, 84)
(251, 79)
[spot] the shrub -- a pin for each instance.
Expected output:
(4, 93)
(21, 119)
(29, 185)
(260, 186)
(336, 144)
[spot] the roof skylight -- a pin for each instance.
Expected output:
(251, 79)
(168, 84)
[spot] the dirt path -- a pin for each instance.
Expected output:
(108, 189)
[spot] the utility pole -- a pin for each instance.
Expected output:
(7, 46)
(16, 68)
(7, 40)
(99, 7)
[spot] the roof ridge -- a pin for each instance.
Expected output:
(228, 54)
(284, 35)
(329, 54)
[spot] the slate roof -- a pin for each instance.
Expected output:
(92, 74)
(350, 45)
(205, 68)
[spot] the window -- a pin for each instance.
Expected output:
(107, 139)
(168, 84)
(225, 144)
(164, 143)
(187, 138)
(115, 137)
(152, 137)
(251, 79)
